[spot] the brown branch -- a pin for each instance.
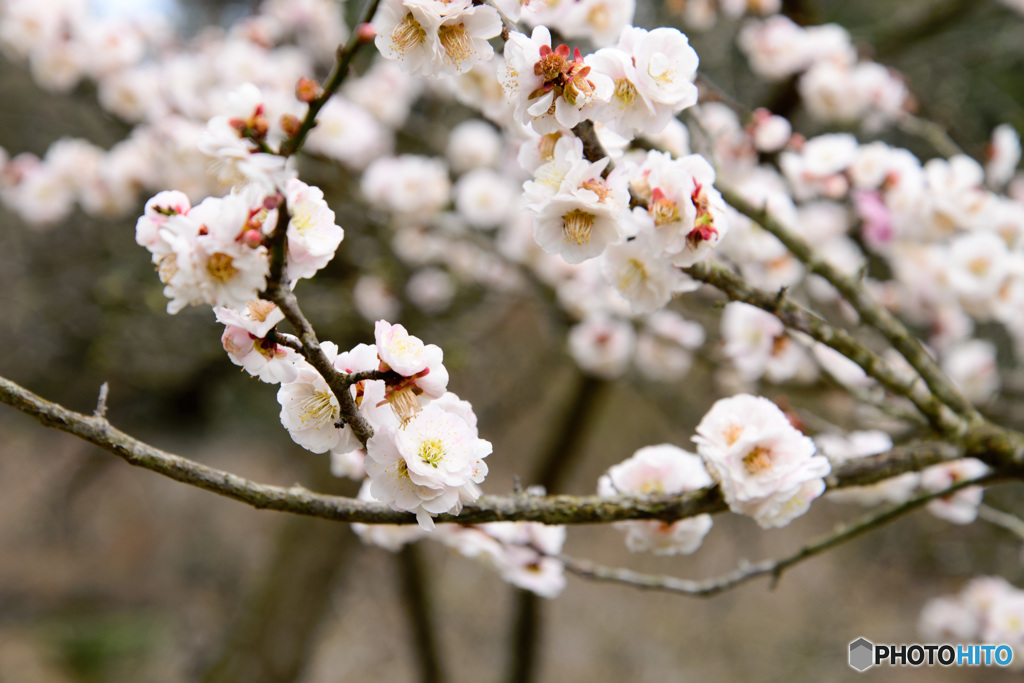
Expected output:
(334, 80)
(1000, 449)
(798, 318)
(773, 568)
(870, 311)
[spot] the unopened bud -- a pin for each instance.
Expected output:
(291, 125)
(252, 238)
(258, 127)
(307, 90)
(365, 33)
(273, 201)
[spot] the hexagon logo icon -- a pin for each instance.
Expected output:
(862, 654)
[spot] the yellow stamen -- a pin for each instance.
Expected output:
(456, 42)
(758, 460)
(221, 267)
(577, 226)
(408, 34)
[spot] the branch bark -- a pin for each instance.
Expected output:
(1002, 449)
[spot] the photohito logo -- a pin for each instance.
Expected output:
(864, 654)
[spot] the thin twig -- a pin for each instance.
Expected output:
(774, 568)
(281, 294)
(334, 80)
(1003, 520)
(930, 131)
(101, 401)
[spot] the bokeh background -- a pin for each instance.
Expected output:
(108, 573)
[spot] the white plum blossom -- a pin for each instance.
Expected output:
(213, 252)
(759, 346)
(767, 469)
(312, 234)
(485, 198)
(665, 63)
(642, 274)
(232, 141)
(245, 341)
(548, 90)
(1002, 156)
(422, 365)
(602, 345)
(659, 470)
(664, 347)
(685, 211)
(348, 133)
(522, 552)
(987, 610)
(430, 464)
(436, 37)
(961, 506)
(973, 368)
(577, 226)
(473, 144)
(310, 411)
(412, 186)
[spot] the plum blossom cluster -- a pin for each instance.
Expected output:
(637, 85)
(215, 253)
(425, 455)
(834, 84)
(767, 468)
(659, 470)
(988, 610)
(436, 37)
(525, 554)
(704, 14)
(168, 88)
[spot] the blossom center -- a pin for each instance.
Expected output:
(431, 452)
(260, 309)
(317, 410)
(758, 460)
(408, 34)
(633, 273)
(662, 209)
(221, 267)
(625, 92)
(577, 226)
(456, 42)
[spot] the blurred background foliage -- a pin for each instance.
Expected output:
(112, 574)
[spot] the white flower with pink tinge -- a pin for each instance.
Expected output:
(310, 411)
(244, 339)
(312, 234)
(436, 37)
(659, 470)
(430, 465)
(548, 89)
(407, 355)
(961, 506)
(212, 253)
(767, 469)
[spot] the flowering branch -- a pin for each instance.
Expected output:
(774, 568)
(518, 507)
(871, 312)
(334, 80)
(798, 318)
